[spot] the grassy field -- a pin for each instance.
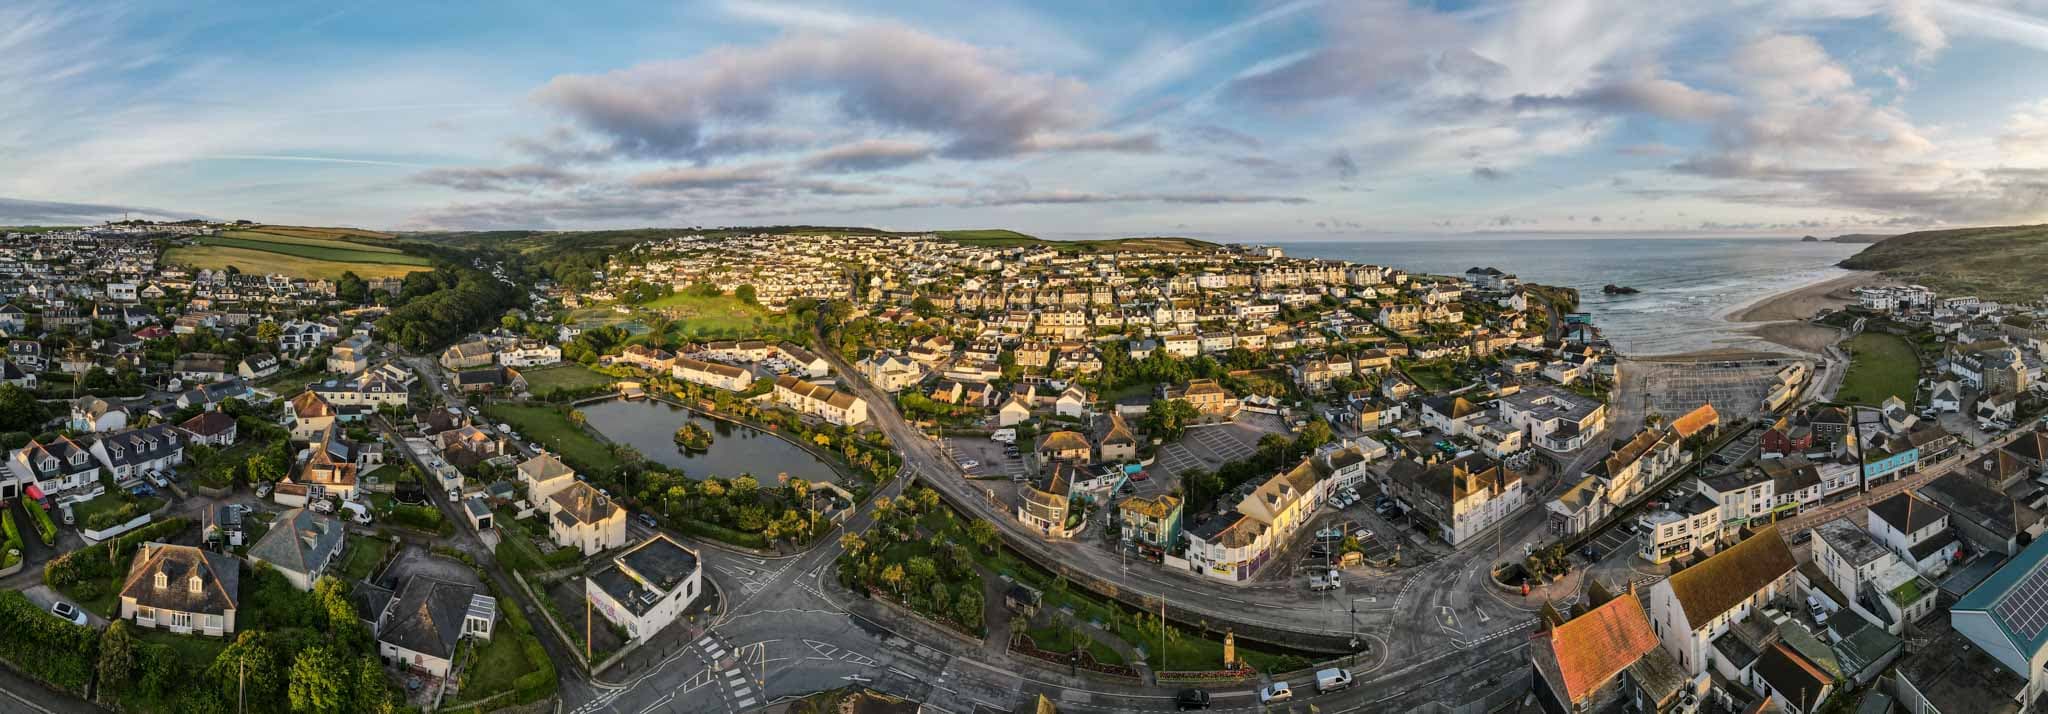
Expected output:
(1880, 366)
(216, 257)
(498, 662)
(315, 248)
(324, 232)
(551, 429)
(717, 316)
(300, 238)
(1994, 263)
(543, 382)
(1004, 238)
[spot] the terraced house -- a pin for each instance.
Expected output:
(1698, 604)
(132, 453)
(831, 405)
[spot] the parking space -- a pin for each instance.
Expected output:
(988, 457)
(1614, 540)
(1206, 448)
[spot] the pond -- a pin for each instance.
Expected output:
(650, 426)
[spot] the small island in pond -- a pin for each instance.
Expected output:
(693, 438)
(1612, 289)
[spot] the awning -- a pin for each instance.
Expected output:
(35, 492)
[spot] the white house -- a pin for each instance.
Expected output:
(1697, 604)
(646, 587)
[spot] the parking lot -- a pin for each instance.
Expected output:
(987, 456)
(1615, 540)
(1205, 448)
(1735, 388)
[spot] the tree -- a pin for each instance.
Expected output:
(1167, 419)
(19, 410)
(893, 576)
(746, 294)
(982, 532)
(249, 665)
(351, 288)
(968, 609)
(320, 682)
(371, 693)
(268, 331)
(117, 656)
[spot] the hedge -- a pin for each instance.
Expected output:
(714, 531)
(43, 647)
(123, 513)
(426, 518)
(85, 565)
(13, 541)
(540, 683)
(46, 529)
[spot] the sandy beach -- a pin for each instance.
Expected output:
(1801, 303)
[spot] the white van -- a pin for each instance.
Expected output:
(357, 510)
(1332, 680)
(1004, 436)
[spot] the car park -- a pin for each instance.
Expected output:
(1275, 692)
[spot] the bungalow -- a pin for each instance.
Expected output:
(182, 589)
(152, 449)
(420, 627)
(211, 395)
(211, 428)
(257, 366)
(200, 367)
(301, 545)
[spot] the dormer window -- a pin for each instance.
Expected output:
(195, 583)
(162, 581)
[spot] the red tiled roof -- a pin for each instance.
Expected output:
(1594, 647)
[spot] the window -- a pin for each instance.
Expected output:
(216, 622)
(181, 619)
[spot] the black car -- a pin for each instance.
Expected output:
(1191, 699)
(1319, 551)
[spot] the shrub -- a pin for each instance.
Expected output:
(124, 513)
(46, 529)
(56, 652)
(426, 518)
(81, 569)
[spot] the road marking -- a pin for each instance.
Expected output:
(747, 702)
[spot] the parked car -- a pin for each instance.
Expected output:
(67, 611)
(1335, 532)
(1140, 476)
(70, 519)
(648, 520)
(1191, 700)
(1332, 680)
(1319, 551)
(157, 480)
(1275, 692)
(970, 463)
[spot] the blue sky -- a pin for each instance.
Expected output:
(1274, 119)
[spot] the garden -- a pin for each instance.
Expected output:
(92, 575)
(1880, 366)
(113, 508)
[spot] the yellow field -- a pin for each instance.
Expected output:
(280, 235)
(255, 261)
(316, 232)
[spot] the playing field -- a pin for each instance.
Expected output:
(1880, 366)
(543, 382)
(216, 257)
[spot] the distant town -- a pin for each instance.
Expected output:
(279, 468)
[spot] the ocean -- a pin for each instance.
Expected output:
(1688, 284)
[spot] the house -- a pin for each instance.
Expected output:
(1689, 524)
(488, 379)
(211, 428)
(28, 354)
(1950, 674)
(1795, 684)
(1151, 523)
(1207, 397)
(367, 391)
(1064, 445)
(257, 366)
(1013, 412)
(1117, 444)
(891, 372)
(331, 466)
(200, 367)
(711, 374)
(2007, 617)
(468, 355)
(1072, 402)
(134, 452)
(93, 414)
(421, 625)
(1698, 604)
(1554, 419)
(529, 353)
(51, 467)
(543, 475)
(647, 587)
(310, 415)
(209, 396)
(1606, 659)
(300, 544)
(810, 365)
(182, 589)
(1228, 546)
(831, 405)
(1916, 530)
(351, 355)
(580, 517)
(1947, 396)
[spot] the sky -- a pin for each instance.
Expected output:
(1271, 119)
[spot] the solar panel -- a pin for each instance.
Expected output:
(2024, 609)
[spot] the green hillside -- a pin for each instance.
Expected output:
(2000, 263)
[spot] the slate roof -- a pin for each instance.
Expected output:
(426, 616)
(1795, 678)
(208, 424)
(300, 541)
(1719, 583)
(582, 503)
(1908, 513)
(220, 579)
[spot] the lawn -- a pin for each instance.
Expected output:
(216, 257)
(1434, 377)
(554, 431)
(110, 502)
(361, 556)
(336, 251)
(189, 648)
(104, 605)
(493, 668)
(717, 315)
(543, 382)
(1880, 366)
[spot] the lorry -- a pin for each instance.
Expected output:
(1332, 680)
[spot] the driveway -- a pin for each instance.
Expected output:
(43, 596)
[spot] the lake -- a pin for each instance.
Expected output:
(650, 426)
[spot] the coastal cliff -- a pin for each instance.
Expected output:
(1994, 263)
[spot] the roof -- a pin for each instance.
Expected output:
(1064, 441)
(1588, 651)
(1696, 421)
(309, 405)
(1794, 677)
(1908, 513)
(543, 467)
(1849, 542)
(1152, 507)
(219, 579)
(2016, 600)
(426, 616)
(208, 424)
(300, 541)
(583, 503)
(1719, 583)
(656, 565)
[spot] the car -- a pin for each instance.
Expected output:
(648, 520)
(70, 519)
(1319, 551)
(142, 490)
(1140, 476)
(1331, 533)
(970, 463)
(68, 612)
(157, 480)
(473, 411)
(1590, 553)
(1191, 700)
(1275, 692)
